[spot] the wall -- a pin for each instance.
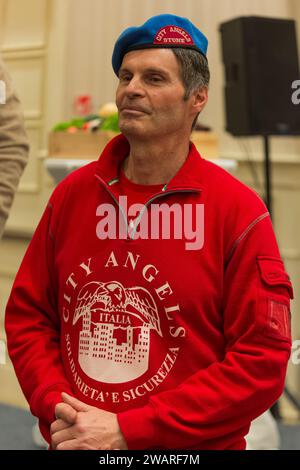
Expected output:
(95, 24)
(91, 37)
(31, 44)
(57, 49)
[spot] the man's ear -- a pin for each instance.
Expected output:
(199, 99)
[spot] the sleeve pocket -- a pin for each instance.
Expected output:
(275, 292)
(272, 273)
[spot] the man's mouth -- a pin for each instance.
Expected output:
(134, 111)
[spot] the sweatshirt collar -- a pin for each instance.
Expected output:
(189, 175)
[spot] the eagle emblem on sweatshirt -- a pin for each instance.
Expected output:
(117, 321)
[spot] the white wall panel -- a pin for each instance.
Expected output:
(24, 23)
(28, 79)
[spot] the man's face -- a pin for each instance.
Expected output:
(150, 95)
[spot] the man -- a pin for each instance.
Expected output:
(13, 145)
(159, 335)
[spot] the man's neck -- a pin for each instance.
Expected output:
(154, 162)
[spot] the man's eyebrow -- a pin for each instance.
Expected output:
(156, 70)
(124, 70)
(147, 70)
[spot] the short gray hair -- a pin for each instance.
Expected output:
(194, 70)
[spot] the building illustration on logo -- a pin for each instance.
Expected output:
(109, 312)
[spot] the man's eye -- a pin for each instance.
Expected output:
(124, 78)
(155, 78)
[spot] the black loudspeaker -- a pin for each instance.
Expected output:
(261, 63)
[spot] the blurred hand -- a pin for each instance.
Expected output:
(82, 427)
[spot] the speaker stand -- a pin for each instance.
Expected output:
(269, 203)
(268, 175)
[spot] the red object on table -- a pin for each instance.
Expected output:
(83, 105)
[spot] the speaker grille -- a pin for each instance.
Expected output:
(261, 62)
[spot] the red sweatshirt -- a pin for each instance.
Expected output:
(187, 346)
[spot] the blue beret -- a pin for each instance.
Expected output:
(159, 31)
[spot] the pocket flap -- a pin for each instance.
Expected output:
(273, 273)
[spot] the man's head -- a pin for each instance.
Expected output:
(173, 47)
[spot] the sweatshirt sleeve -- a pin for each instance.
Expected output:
(224, 398)
(33, 327)
(14, 146)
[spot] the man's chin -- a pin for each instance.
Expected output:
(133, 130)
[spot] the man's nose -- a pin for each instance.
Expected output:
(134, 87)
